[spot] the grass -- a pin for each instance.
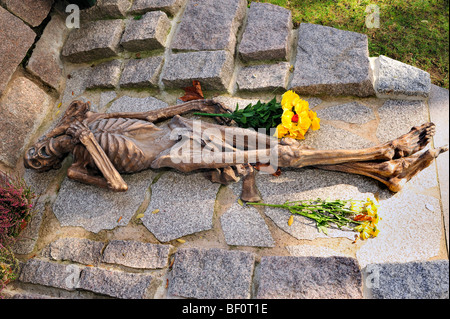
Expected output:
(415, 32)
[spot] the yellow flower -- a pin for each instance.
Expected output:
(287, 99)
(315, 124)
(304, 122)
(286, 119)
(300, 105)
(356, 206)
(281, 131)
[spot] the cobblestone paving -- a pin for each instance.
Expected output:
(175, 235)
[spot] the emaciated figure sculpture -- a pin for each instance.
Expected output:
(104, 145)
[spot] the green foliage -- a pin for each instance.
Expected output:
(259, 115)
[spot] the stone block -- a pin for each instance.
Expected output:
(31, 11)
(212, 68)
(267, 35)
(79, 250)
(413, 280)
(332, 62)
(116, 284)
(136, 254)
(244, 226)
(135, 104)
(353, 113)
(141, 72)
(22, 110)
(171, 7)
(288, 277)
(16, 38)
(209, 25)
(148, 33)
(51, 274)
(267, 77)
(105, 75)
(106, 9)
(211, 274)
(95, 208)
(45, 61)
(185, 203)
(397, 80)
(94, 40)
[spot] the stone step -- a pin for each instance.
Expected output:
(397, 80)
(209, 25)
(141, 72)
(267, 77)
(31, 11)
(146, 33)
(211, 274)
(213, 69)
(413, 280)
(93, 41)
(332, 62)
(267, 35)
(171, 7)
(289, 277)
(105, 75)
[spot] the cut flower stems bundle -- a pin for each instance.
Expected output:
(291, 117)
(358, 215)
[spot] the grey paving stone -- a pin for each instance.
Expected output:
(106, 9)
(212, 68)
(414, 280)
(352, 112)
(22, 110)
(211, 274)
(148, 33)
(185, 203)
(136, 104)
(171, 7)
(329, 137)
(141, 72)
(397, 117)
(45, 61)
(136, 254)
(438, 106)
(304, 184)
(75, 85)
(313, 251)
(94, 208)
(332, 62)
(46, 273)
(263, 77)
(12, 51)
(116, 284)
(288, 277)
(267, 35)
(397, 80)
(410, 229)
(31, 11)
(93, 40)
(80, 250)
(105, 75)
(106, 97)
(209, 25)
(245, 227)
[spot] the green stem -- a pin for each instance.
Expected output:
(213, 114)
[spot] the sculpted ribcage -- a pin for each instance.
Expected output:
(118, 137)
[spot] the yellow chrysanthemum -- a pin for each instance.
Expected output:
(315, 124)
(301, 105)
(281, 131)
(287, 100)
(286, 119)
(304, 121)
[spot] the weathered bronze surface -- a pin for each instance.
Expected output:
(106, 145)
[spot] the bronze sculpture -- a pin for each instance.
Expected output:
(115, 143)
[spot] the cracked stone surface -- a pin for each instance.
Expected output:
(185, 203)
